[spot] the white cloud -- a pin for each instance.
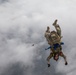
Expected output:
(23, 22)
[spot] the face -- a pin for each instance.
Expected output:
(56, 57)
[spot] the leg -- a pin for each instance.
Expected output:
(62, 55)
(48, 59)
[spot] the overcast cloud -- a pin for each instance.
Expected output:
(23, 23)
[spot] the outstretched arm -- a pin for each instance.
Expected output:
(55, 22)
(47, 48)
(57, 27)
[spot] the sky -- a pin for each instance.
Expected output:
(23, 23)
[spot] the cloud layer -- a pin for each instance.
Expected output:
(23, 23)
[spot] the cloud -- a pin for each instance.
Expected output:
(23, 23)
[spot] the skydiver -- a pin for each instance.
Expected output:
(55, 38)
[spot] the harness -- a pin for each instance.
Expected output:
(55, 46)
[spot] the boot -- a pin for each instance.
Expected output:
(66, 63)
(48, 65)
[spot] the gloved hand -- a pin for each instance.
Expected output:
(55, 22)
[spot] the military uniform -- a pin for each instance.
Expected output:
(54, 52)
(55, 38)
(47, 36)
(57, 27)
